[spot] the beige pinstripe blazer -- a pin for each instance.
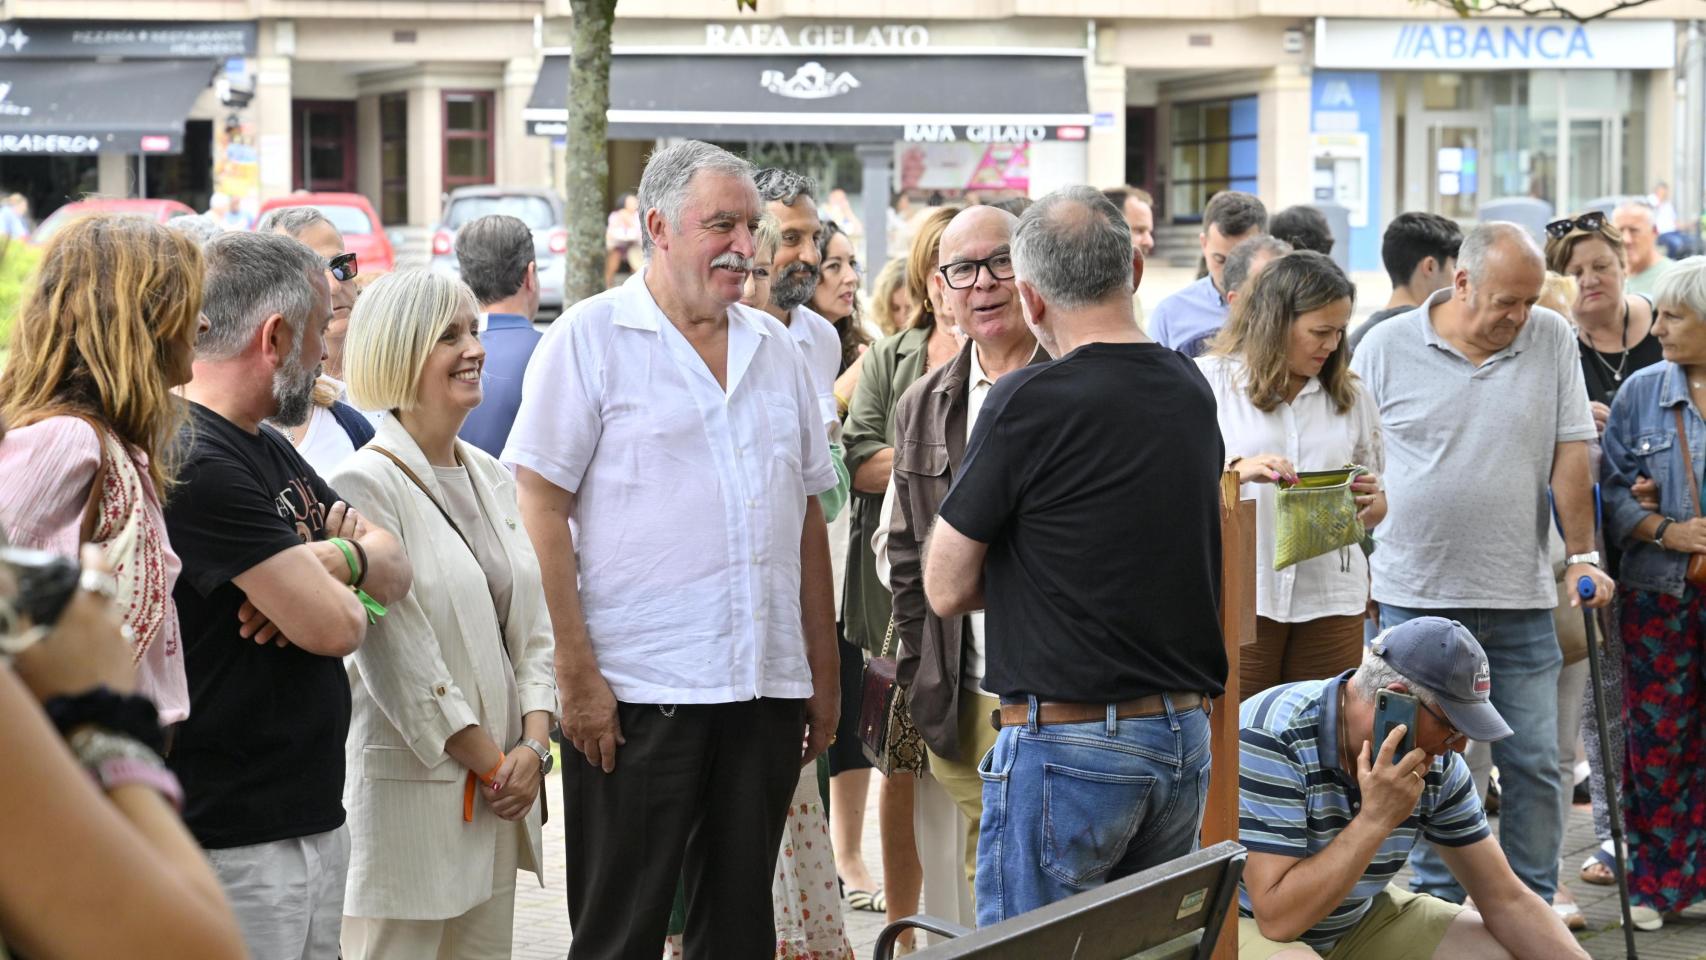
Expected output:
(429, 668)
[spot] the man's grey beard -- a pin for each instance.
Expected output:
(293, 390)
(793, 286)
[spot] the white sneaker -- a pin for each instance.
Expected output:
(1646, 918)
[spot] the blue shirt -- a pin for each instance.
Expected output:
(1294, 798)
(509, 340)
(1640, 440)
(1190, 313)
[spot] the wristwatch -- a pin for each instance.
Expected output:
(546, 761)
(1592, 557)
(1659, 534)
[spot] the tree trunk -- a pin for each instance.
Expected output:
(588, 164)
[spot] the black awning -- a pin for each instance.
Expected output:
(832, 98)
(85, 106)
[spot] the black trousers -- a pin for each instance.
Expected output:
(701, 796)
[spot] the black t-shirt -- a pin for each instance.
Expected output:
(1094, 480)
(261, 756)
(1600, 369)
(1375, 319)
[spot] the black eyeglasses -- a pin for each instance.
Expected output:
(342, 266)
(1457, 736)
(1591, 222)
(963, 273)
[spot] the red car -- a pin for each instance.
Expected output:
(159, 211)
(354, 218)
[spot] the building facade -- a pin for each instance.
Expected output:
(1376, 105)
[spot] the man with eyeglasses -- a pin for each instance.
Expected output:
(1329, 812)
(334, 428)
(1086, 513)
(941, 658)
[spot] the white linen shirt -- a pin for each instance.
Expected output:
(689, 500)
(971, 651)
(1311, 433)
(820, 344)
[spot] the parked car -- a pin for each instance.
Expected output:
(159, 211)
(540, 209)
(364, 236)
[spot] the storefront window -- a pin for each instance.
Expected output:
(1213, 148)
(394, 158)
(468, 158)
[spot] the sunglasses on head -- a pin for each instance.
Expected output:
(1591, 222)
(342, 266)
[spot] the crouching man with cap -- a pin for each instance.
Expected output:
(1329, 814)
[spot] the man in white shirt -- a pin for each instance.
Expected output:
(334, 429)
(691, 599)
(787, 196)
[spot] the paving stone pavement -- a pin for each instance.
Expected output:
(542, 921)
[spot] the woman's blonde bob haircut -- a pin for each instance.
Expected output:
(395, 324)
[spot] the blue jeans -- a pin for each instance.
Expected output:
(1068, 807)
(1524, 660)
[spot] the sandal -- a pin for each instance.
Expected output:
(871, 901)
(1597, 868)
(1572, 916)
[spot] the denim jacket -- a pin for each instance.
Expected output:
(1640, 440)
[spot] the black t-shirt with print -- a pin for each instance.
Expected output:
(1094, 480)
(261, 756)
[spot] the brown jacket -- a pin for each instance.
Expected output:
(929, 444)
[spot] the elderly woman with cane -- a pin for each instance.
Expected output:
(1655, 430)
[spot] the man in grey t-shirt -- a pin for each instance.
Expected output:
(1482, 407)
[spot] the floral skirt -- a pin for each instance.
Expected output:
(1664, 689)
(804, 892)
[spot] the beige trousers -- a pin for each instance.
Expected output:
(960, 777)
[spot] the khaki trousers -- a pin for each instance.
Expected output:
(960, 777)
(486, 932)
(1288, 652)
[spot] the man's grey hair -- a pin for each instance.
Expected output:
(291, 221)
(494, 252)
(1074, 247)
(1376, 674)
(1683, 285)
(784, 186)
(1239, 261)
(250, 277)
(1641, 206)
(670, 171)
(1481, 241)
(199, 229)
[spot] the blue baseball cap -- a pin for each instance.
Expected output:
(1443, 656)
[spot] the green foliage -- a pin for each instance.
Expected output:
(17, 262)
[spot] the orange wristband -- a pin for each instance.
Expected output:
(468, 790)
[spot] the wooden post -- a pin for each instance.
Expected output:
(1237, 626)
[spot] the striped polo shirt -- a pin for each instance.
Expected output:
(1294, 798)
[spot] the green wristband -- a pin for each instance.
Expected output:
(374, 608)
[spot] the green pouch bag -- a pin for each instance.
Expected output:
(1317, 515)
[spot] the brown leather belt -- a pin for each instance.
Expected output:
(1018, 714)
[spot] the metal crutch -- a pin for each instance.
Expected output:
(1613, 777)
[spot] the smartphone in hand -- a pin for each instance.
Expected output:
(1390, 709)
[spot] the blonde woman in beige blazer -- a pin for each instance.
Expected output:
(453, 691)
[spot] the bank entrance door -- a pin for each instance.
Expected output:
(1590, 166)
(1456, 165)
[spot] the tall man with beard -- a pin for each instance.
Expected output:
(787, 196)
(270, 601)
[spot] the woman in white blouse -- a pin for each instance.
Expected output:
(452, 692)
(1288, 403)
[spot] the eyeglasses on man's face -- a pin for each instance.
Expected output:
(342, 266)
(1591, 222)
(1454, 736)
(963, 273)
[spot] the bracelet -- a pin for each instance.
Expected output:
(126, 715)
(358, 573)
(117, 761)
(1659, 534)
(360, 554)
